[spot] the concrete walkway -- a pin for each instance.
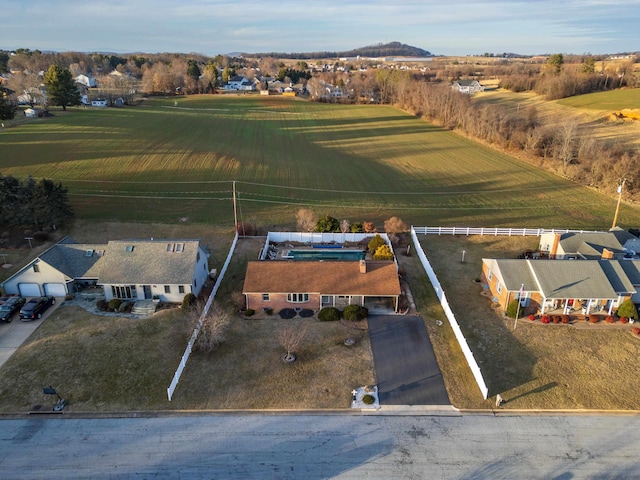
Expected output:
(14, 334)
(407, 372)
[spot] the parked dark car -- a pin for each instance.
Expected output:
(4, 298)
(35, 307)
(10, 307)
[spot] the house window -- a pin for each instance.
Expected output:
(129, 248)
(180, 288)
(179, 247)
(89, 253)
(167, 289)
(489, 276)
(297, 297)
(198, 257)
(499, 287)
(36, 268)
(124, 291)
(265, 297)
(169, 247)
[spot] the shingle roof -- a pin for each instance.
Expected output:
(149, 262)
(72, 259)
(591, 245)
(327, 278)
(516, 273)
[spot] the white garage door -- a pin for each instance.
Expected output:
(29, 289)
(55, 289)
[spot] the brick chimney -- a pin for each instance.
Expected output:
(607, 254)
(554, 247)
(363, 266)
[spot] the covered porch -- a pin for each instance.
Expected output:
(580, 306)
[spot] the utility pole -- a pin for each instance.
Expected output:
(235, 209)
(615, 217)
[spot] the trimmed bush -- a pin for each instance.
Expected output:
(383, 252)
(556, 319)
(628, 309)
(532, 317)
(354, 313)
(102, 305)
(375, 243)
(41, 236)
(268, 311)
(329, 314)
(594, 319)
(545, 319)
(249, 312)
(368, 399)
(125, 307)
(610, 319)
(512, 309)
(624, 320)
(635, 331)
(114, 304)
(566, 319)
(189, 301)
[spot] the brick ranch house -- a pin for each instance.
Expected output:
(317, 284)
(127, 269)
(575, 273)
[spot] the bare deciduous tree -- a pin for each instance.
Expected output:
(395, 225)
(345, 226)
(213, 327)
(290, 338)
(306, 220)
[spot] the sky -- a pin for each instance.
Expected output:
(210, 27)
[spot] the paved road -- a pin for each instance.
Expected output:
(407, 372)
(321, 446)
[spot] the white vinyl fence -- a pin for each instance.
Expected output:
(196, 330)
(473, 365)
(493, 231)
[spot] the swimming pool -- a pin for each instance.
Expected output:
(328, 254)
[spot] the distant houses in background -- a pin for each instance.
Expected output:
(468, 87)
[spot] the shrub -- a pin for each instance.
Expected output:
(628, 309)
(556, 319)
(189, 301)
(368, 399)
(532, 317)
(245, 229)
(329, 314)
(609, 319)
(125, 307)
(354, 313)
(268, 311)
(512, 309)
(635, 331)
(383, 252)
(114, 304)
(249, 312)
(565, 319)
(545, 319)
(327, 224)
(102, 305)
(593, 319)
(624, 320)
(375, 243)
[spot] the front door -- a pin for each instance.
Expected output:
(147, 292)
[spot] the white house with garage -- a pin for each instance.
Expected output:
(166, 269)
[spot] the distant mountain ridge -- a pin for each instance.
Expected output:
(391, 49)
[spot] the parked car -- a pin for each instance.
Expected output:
(10, 307)
(35, 307)
(4, 298)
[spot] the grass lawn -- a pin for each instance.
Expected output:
(534, 365)
(160, 163)
(611, 101)
(106, 364)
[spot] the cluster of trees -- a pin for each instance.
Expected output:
(308, 221)
(563, 147)
(30, 203)
(8, 107)
(557, 79)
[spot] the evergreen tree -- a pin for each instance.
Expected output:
(8, 108)
(61, 88)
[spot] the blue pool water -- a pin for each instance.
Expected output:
(336, 254)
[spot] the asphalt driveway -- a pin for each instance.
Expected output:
(406, 369)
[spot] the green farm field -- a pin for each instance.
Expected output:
(176, 158)
(610, 101)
